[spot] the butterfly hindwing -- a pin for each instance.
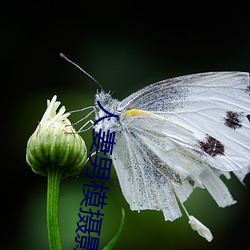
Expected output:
(141, 184)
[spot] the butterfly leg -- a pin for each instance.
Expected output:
(83, 127)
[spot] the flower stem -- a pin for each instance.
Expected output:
(54, 177)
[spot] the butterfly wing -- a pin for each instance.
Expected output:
(213, 106)
(138, 179)
(179, 134)
(152, 168)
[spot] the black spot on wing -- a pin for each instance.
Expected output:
(233, 119)
(212, 146)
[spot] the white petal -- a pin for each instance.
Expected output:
(200, 228)
(51, 114)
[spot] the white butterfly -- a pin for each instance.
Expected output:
(178, 134)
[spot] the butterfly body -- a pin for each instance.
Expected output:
(178, 134)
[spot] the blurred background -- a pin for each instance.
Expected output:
(125, 45)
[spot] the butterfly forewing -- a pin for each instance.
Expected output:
(175, 93)
(211, 106)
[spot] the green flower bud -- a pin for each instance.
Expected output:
(55, 143)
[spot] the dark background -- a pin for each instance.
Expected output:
(125, 45)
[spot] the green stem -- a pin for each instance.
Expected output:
(117, 234)
(54, 177)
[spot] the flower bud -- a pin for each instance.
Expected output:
(55, 143)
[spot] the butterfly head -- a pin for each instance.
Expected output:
(103, 97)
(106, 111)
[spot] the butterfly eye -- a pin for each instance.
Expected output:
(106, 100)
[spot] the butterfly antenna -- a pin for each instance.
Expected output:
(68, 60)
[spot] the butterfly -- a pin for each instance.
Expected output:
(178, 134)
